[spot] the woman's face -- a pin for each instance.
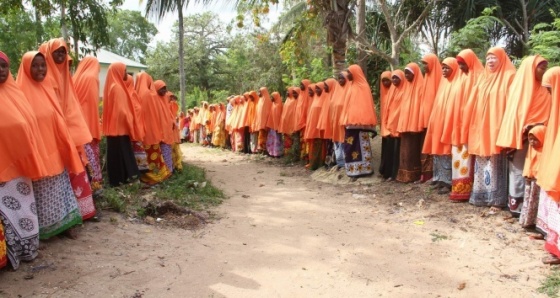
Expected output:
(492, 62)
(302, 86)
(349, 76)
(540, 70)
(386, 82)
(464, 67)
(534, 142)
(4, 71)
(295, 94)
(396, 81)
(59, 56)
(38, 68)
(341, 80)
(326, 87)
(311, 92)
(162, 91)
(408, 75)
(446, 70)
(318, 90)
(426, 67)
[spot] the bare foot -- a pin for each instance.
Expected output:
(551, 260)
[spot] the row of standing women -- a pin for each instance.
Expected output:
(335, 115)
(50, 140)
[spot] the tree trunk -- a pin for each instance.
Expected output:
(361, 34)
(38, 26)
(63, 26)
(337, 37)
(182, 57)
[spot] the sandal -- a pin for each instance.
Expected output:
(551, 260)
(494, 210)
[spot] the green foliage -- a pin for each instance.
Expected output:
(551, 285)
(545, 41)
(195, 96)
(475, 35)
(16, 42)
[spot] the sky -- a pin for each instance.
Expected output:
(226, 13)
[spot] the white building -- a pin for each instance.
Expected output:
(106, 58)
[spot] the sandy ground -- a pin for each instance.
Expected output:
(283, 233)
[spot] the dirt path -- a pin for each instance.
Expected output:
(283, 234)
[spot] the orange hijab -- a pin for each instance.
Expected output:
(385, 96)
(276, 114)
(431, 86)
(452, 128)
(548, 175)
(311, 131)
(303, 104)
(86, 82)
(288, 114)
(19, 126)
(251, 114)
(61, 80)
(359, 106)
(411, 104)
(118, 112)
(240, 100)
(152, 112)
(264, 107)
(229, 120)
(532, 159)
(394, 104)
(297, 99)
(174, 109)
(447, 93)
(528, 103)
(59, 149)
(168, 119)
(337, 105)
(325, 124)
(486, 106)
(139, 125)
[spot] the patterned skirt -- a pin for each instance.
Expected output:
(357, 153)
(339, 154)
(262, 140)
(3, 257)
(82, 191)
(94, 165)
(462, 173)
(410, 165)
(140, 156)
(295, 149)
(528, 216)
(57, 207)
(167, 153)
(490, 181)
(177, 155)
(317, 153)
(274, 144)
(516, 185)
(442, 168)
(158, 171)
(548, 220)
(121, 164)
(18, 216)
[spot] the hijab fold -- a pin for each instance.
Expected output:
(86, 82)
(359, 106)
(411, 104)
(431, 86)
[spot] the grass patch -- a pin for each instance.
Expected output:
(551, 285)
(438, 237)
(188, 188)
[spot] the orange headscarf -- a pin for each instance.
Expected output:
(325, 124)
(264, 107)
(528, 103)
(385, 96)
(409, 119)
(251, 114)
(311, 131)
(486, 106)
(86, 82)
(276, 114)
(174, 109)
(19, 126)
(337, 105)
(139, 125)
(533, 156)
(448, 91)
(118, 112)
(303, 104)
(241, 106)
(152, 112)
(548, 175)
(168, 120)
(59, 147)
(359, 108)
(59, 75)
(229, 120)
(431, 86)
(394, 104)
(288, 113)
(297, 100)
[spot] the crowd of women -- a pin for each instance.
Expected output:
(50, 139)
(475, 133)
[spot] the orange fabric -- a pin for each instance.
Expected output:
(288, 114)
(240, 100)
(359, 108)
(276, 113)
(19, 126)
(486, 106)
(229, 120)
(152, 113)
(531, 168)
(60, 150)
(325, 119)
(168, 119)
(528, 103)
(448, 91)
(300, 98)
(337, 105)
(394, 104)
(139, 125)
(468, 83)
(386, 93)
(264, 107)
(311, 130)
(118, 112)
(431, 86)
(174, 109)
(251, 114)
(548, 176)
(59, 75)
(303, 104)
(409, 119)
(86, 82)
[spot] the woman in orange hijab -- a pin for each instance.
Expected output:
(288, 120)
(118, 126)
(313, 135)
(528, 104)
(57, 206)
(274, 145)
(152, 114)
(176, 153)
(219, 135)
(410, 127)
(335, 111)
(390, 118)
(168, 124)
(462, 171)
(264, 108)
(358, 117)
(449, 90)
(385, 90)
(86, 82)
(137, 145)
(528, 216)
(483, 118)
(250, 121)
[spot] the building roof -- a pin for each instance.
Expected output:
(106, 57)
